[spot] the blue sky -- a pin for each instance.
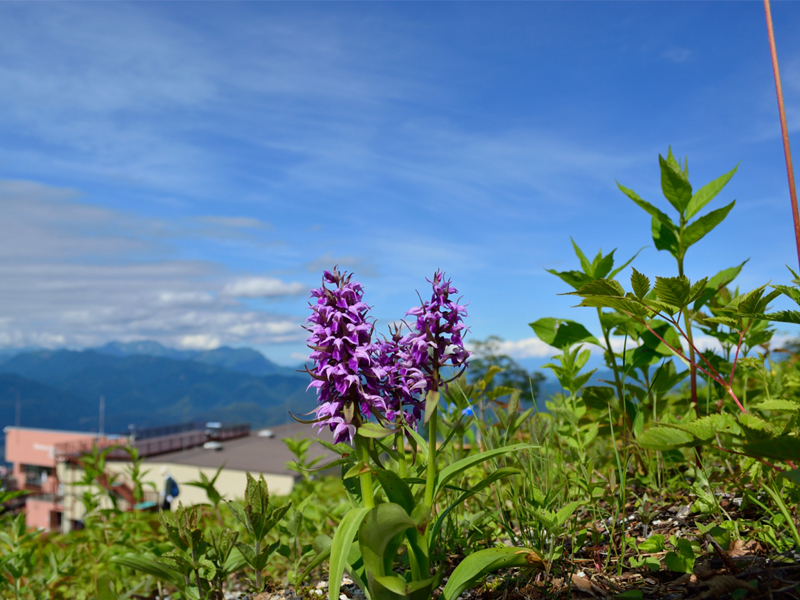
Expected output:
(184, 171)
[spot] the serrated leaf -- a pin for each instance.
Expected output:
(784, 316)
(697, 290)
(778, 404)
(707, 193)
(675, 186)
(649, 208)
(575, 279)
(717, 282)
(601, 287)
(640, 284)
(790, 291)
(673, 291)
(699, 228)
(664, 438)
(727, 321)
(707, 427)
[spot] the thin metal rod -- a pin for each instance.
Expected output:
(784, 129)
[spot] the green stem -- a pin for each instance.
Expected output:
(430, 483)
(612, 359)
(400, 443)
(259, 583)
(365, 478)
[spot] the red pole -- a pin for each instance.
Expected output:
(784, 130)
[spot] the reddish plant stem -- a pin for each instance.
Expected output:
(738, 347)
(784, 129)
(717, 377)
(761, 460)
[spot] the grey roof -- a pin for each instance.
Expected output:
(253, 453)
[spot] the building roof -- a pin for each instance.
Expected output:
(252, 453)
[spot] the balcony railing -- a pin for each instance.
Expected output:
(150, 442)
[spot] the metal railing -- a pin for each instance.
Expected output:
(154, 441)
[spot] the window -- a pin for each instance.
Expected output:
(36, 475)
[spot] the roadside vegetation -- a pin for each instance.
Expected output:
(677, 477)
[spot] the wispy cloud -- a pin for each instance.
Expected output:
(262, 287)
(78, 275)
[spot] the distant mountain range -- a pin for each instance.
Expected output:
(146, 385)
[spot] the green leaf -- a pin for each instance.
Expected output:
(707, 427)
(653, 544)
(479, 564)
(566, 512)
(640, 284)
(683, 560)
(784, 447)
(707, 193)
(148, 566)
(717, 282)
(450, 471)
(340, 547)
(664, 438)
(397, 490)
(373, 430)
(695, 231)
(585, 264)
(431, 403)
(778, 404)
(575, 279)
(378, 536)
(616, 271)
(673, 291)
(630, 595)
(665, 237)
(784, 316)
(483, 484)
(561, 333)
(649, 208)
(675, 186)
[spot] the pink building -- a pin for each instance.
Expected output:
(33, 454)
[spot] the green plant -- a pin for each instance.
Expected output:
(258, 519)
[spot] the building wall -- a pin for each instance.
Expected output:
(36, 447)
(230, 484)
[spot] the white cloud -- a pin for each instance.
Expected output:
(199, 342)
(78, 275)
(262, 287)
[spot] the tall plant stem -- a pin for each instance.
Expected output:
(687, 320)
(430, 483)
(784, 129)
(613, 364)
(365, 478)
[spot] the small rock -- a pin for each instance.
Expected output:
(317, 592)
(322, 585)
